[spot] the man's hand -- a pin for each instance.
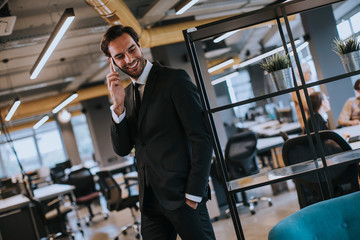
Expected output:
(116, 89)
(191, 203)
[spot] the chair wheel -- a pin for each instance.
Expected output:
(117, 238)
(270, 204)
(137, 236)
(124, 232)
(87, 223)
(78, 224)
(252, 212)
(106, 216)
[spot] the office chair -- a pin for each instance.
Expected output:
(240, 158)
(344, 178)
(116, 202)
(85, 190)
(58, 175)
(53, 217)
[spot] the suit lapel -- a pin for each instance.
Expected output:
(149, 87)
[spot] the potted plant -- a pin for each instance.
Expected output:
(279, 68)
(349, 52)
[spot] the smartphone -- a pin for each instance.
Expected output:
(113, 64)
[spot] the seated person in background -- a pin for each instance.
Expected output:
(320, 105)
(350, 114)
(307, 76)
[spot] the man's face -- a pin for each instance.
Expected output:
(127, 55)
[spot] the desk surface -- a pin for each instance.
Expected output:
(272, 128)
(13, 202)
(53, 190)
(115, 167)
(41, 194)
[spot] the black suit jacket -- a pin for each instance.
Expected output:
(171, 138)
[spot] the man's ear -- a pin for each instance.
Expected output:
(109, 59)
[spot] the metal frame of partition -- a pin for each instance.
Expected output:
(276, 11)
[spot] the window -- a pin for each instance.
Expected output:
(344, 29)
(34, 149)
(355, 22)
(240, 89)
(83, 137)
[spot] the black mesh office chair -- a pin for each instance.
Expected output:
(85, 190)
(53, 217)
(344, 178)
(116, 202)
(240, 157)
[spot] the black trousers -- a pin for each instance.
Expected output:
(162, 224)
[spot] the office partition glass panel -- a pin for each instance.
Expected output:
(83, 137)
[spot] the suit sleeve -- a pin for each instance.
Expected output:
(188, 107)
(120, 136)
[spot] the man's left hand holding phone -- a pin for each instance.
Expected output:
(116, 89)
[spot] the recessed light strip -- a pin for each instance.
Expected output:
(224, 78)
(262, 56)
(41, 122)
(13, 109)
(65, 102)
(186, 7)
(60, 29)
(221, 65)
(226, 35)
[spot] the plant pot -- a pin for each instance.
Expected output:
(351, 61)
(282, 79)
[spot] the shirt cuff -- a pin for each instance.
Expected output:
(193, 198)
(117, 119)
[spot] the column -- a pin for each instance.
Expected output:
(320, 26)
(69, 141)
(98, 115)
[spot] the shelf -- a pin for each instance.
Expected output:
(286, 173)
(256, 17)
(278, 93)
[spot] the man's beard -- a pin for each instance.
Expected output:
(141, 65)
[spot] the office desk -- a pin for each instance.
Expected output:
(116, 168)
(52, 191)
(273, 128)
(352, 131)
(15, 212)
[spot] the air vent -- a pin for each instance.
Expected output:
(7, 25)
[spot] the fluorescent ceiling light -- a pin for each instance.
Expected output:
(13, 109)
(184, 6)
(65, 102)
(262, 56)
(226, 35)
(41, 122)
(224, 78)
(59, 31)
(221, 65)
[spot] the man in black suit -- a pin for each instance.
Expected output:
(161, 115)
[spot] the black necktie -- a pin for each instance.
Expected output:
(137, 98)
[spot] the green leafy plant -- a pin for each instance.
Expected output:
(276, 62)
(348, 45)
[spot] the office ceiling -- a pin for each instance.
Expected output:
(78, 63)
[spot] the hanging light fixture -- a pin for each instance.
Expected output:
(59, 31)
(65, 102)
(13, 109)
(41, 122)
(183, 6)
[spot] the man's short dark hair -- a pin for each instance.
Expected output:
(115, 32)
(316, 99)
(357, 84)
